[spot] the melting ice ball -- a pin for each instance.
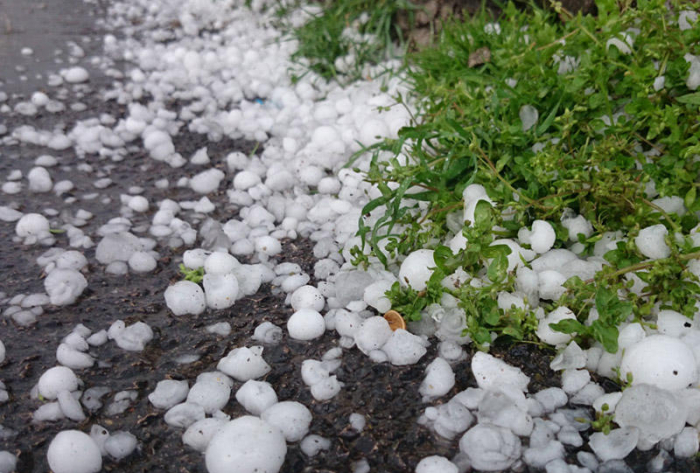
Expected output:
(416, 269)
(73, 451)
(660, 360)
(246, 445)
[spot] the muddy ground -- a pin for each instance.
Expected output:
(386, 395)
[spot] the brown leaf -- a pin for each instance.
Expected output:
(479, 57)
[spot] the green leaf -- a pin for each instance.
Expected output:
(690, 197)
(498, 269)
(607, 335)
(692, 99)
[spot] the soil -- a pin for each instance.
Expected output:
(386, 395)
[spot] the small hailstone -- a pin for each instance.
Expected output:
(417, 269)
(244, 180)
(547, 334)
(75, 75)
(207, 181)
(72, 451)
(200, 156)
(39, 180)
(686, 443)
(493, 374)
(306, 324)
(490, 448)
(307, 297)
(687, 19)
(55, 380)
(2, 352)
(290, 417)
(72, 358)
(436, 464)
(651, 242)
(268, 246)
(185, 297)
(8, 462)
(404, 348)
(615, 445)
(211, 395)
(528, 116)
(184, 414)
(246, 445)
(142, 262)
(221, 328)
(168, 393)
(312, 444)
(623, 45)
(357, 421)
(219, 263)
(138, 203)
(372, 334)
(542, 236)
(199, 434)
(375, 295)
(131, 338)
(70, 406)
(267, 333)
(439, 379)
(120, 445)
(64, 286)
(220, 290)
(244, 363)
(256, 396)
(32, 225)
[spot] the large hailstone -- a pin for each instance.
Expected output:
(73, 451)
(185, 297)
(490, 447)
(246, 445)
(55, 380)
(64, 286)
(416, 269)
(660, 360)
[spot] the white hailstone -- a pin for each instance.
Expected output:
(75, 75)
(290, 417)
(651, 242)
(347, 323)
(131, 338)
(185, 297)
(256, 396)
(199, 434)
(372, 131)
(542, 236)
(490, 448)
(220, 290)
(404, 348)
(673, 324)
(551, 284)
(623, 45)
(577, 225)
(372, 334)
(8, 462)
(72, 358)
(306, 324)
(194, 259)
(375, 295)
(494, 374)
(268, 245)
(64, 286)
(120, 445)
(39, 180)
(267, 333)
(244, 180)
(138, 203)
(220, 263)
(246, 445)
(32, 225)
(436, 464)
(207, 181)
(528, 116)
(307, 297)
(416, 269)
(70, 406)
(547, 334)
(2, 352)
(312, 444)
(686, 443)
(659, 360)
(211, 395)
(168, 393)
(200, 156)
(71, 260)
(48, 412)
(687, 19)
(55, 380)
(142, 262)
(72, 451)
(244, 363)
(657, 413)
(184, 414)
(8, 214)
(439, 379)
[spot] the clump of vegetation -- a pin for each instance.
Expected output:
(590, 116)
(343, 37)
(194, 275)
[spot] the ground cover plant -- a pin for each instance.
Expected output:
(590, 116)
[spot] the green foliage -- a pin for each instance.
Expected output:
(354, 32)
(604, 133)
(194, 275)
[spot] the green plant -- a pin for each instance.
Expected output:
(194, 275)
(606, 139)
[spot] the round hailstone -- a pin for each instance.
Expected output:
(244, 363)
(490, 447)
(542, 237)
(199, 434)
(168, 393)
(138, 203)
(220, 263)
(72, 451)
(291, 417)
(64, 286)
(416, 269)
(372, 334)
(256, 396)
(651, 242)
(75, 75)
(39, 180)
(660, 360)
(221, 290)
(268, 245)
(142, 262)
(306, 324)
(185, 297)
(246, 445)
(308, 297)
(547, 334)
(55, 380)
(436, 464)
(207, 181)
(32, 225)
(212, 396)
